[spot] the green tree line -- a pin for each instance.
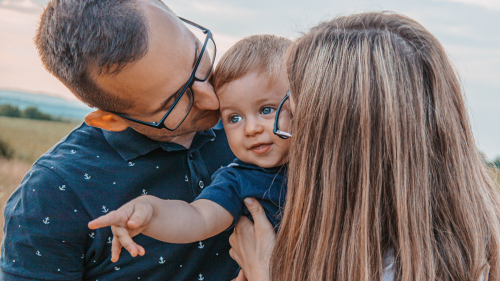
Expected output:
(497, 162)
(491, 163)
(31, 112)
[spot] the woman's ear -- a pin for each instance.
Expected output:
(105, 120)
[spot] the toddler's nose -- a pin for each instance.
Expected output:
(253, 127)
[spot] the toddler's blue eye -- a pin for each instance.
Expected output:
(236, 119)
(267, 110)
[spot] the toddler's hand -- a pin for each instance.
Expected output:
(126, 222)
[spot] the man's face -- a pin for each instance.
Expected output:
(151, 81)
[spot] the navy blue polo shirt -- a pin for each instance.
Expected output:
(90, 173)
(239, 180)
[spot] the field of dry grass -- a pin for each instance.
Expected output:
(11, 174)
(31, 138)
(497, 176)
(28, 139)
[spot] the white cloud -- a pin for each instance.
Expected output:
(20, 66)
(222, 10)
(28, 6)
(479, 69)
(481, 65)
(224, 42)
(489, 4)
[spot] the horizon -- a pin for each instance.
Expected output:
(54, 95)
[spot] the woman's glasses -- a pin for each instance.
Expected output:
(284, 118)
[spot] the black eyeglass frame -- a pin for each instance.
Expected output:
(189, 84)
(276, 130)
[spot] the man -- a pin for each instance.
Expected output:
(147, 73)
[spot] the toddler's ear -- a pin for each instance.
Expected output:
(105, 120)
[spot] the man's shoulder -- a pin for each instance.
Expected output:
(54, 172)
(77, 157)
(80, 148)
(82, 139)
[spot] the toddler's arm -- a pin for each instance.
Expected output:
(173, 221)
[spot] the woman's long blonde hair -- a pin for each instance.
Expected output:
(383, 160)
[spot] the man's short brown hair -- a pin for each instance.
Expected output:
(260, 53)
(79, 39)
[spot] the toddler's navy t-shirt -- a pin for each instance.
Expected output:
(239, 180)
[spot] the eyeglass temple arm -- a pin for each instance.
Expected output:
(193, 24)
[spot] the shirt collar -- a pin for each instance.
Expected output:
(272, 170)
(131, 144)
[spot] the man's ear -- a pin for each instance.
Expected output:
(105, 120)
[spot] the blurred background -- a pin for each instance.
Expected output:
(36, 110)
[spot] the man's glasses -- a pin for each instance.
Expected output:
(181, 106)
(283, 120)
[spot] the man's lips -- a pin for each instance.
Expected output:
(261, 148)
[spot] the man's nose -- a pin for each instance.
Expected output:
(204, 96)
(253, 127)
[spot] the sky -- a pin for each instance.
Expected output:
(468, 29)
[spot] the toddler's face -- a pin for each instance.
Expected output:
(248, 108)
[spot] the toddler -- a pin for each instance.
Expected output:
(250, 84)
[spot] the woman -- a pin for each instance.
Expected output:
(385, 181)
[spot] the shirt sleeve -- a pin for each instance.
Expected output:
(225, 191)
(45, 230)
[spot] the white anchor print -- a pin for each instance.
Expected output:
(109, 240)
(92, 235)
(62, 188)
(186, 178)
(117, 268)
(130, 164)
(201, 246)
(46, 220)
(200, 277)
(83, 255)
(144, 192)
(73, 152)
(38, 253)
(86, 176)
(104, 209)
(162, 260)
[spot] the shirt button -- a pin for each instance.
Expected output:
(201, 184)
(191, 156)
